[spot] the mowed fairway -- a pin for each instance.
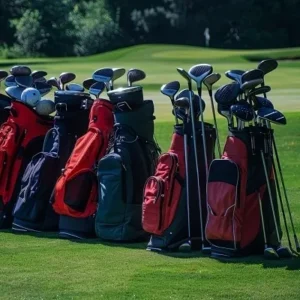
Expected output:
(45, 267)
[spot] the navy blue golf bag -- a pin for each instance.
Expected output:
(33, 211)
(122, 173)
(165, 214)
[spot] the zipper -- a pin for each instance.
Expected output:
(173, 171)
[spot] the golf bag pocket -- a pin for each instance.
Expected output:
(223, 201)
(161, 195)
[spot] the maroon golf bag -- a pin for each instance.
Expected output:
(236, 184)
(165, 213)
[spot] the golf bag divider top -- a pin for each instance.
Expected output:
(21, 137)
(75, 197)
(33, 211)
(168, 223)
(162, 191)
(123, 172)
(235, 184)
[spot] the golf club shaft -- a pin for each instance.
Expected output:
(215, 122)
(197, 166)
(284, 192)
(262, 221)
(203, 133)
(270, 195)
(186, 161)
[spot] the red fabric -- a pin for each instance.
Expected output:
(88, 150)
(162, 191)
(22, 126)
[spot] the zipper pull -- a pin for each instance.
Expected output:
(124, 167)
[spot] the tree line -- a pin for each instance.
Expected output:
(85, 27)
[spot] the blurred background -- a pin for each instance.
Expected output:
(37, 28)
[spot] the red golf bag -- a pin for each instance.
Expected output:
(236, 183)
(21, 137)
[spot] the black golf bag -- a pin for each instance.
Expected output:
(165, 199)
(33, 211)
(236, 184)
(122, 173)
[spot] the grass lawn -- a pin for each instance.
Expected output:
(45, 267)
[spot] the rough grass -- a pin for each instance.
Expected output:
(45, 267)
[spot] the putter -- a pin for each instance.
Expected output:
(54, 82)
(186, 76)
(96, 89)
(10, 81)
(88, 83)
(209, 81)
(185, 104)
(118, 73)
(20, 71)
(65, 78)
(24, 81)
(74, 87)
(198, 73)
(135, 75)
(170, 90)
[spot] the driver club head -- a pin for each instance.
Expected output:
(243, 111)
(224, 110)
(74, 87)
(15, 92)
(117, 73)
(260, 90)
(170, 89)
(36, 75)
(65, 78)
(272, 115)
(252, 75)
(235, 75)
(54, 82)
(199, 72)
(268, 65)
(24, 81)
(249, 85)
(211, 79)
(185, 93)
(97, 88)
(260, 102)
(20, 71)
(186, 76)
(135, 75)
(10, 81)
(227, 94)
(43, 87)
(103, 75)
(182, 102)
(88, 83)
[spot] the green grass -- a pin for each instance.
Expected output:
(45, 267)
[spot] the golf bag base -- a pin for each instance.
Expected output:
(76, 228)
(236, 185)
(170, 235)
(49, 222)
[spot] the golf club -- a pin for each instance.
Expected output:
(97, 88)
(24, 81)
(74, 87)
(10, 81)
(117, 73)
(235, 75)
(65, 78)
(14, 92)
(135, 75)
(54, 82)
(43, 88)
(20, 71)
(103, 75)
(88, 83)
(37, 75)
(209, 81)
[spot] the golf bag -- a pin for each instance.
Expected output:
(75, 197)
(236, 184)
(33, 211)
(165, 202)
(5, 103)
(21, 137)
(122, 173)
